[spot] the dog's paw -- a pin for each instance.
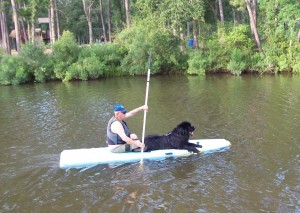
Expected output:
(196, 151)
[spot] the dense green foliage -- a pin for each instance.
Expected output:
(38, 64)
(225, 50)
(143, 38)
(14, 70)
(96, 61)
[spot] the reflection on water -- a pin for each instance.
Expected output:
(259, 115)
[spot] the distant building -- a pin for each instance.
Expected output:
(43, 29)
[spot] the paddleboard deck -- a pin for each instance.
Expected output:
(79, 158)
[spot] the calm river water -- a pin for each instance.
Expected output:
(259, 115)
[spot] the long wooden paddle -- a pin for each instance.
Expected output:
(146, 101)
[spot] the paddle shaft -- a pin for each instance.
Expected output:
(146, 100)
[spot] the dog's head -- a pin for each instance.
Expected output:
(186, 127)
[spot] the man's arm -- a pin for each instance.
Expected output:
(136, 110)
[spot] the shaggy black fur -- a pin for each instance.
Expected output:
(177, 139)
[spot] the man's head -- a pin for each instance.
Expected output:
(120, 108)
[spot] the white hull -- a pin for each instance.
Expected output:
(78, 158)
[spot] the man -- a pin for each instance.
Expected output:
(119, 138)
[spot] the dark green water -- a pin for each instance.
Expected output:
(259, 115)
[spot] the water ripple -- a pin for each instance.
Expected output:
(259, 115)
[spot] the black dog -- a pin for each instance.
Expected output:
(177, 139)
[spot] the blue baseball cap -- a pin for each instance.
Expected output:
(120, 107)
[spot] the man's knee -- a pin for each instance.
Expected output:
(133, 136)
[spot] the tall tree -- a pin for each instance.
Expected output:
(4, 30)
(51, 23)
(33, 11)
(102, 19)
(24, 12)
(182, 45)
(251, 7)
(56, 19)
(197, 13)
(109, 19)
(16, 23)
(213, 7)
(176, 14)
(88, 7)
(23, 29)
(298, 37)
(195, 33)
(221, 11)
(127, 13)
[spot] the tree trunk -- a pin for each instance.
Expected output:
(195, 34)
(23, 29)
(221, 11)
(102, 20)
(51, 23)
(251, 13)
(32, 33)
(56, 19)
(88, 15)
(16, 22)
(127, 13)
(4, 30)
(237, 16)
(214, 10)
(174, 32)
(254, 9)
(33, 19)
(29, 32)
(109, 20)
(188, 29)
(182, 45)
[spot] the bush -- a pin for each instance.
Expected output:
(108, 57)
(198, 62)
(2, 53)
(65, 53)
(147, 36)
(95, 61)
(218, 55)
(14, 70)
(295, 55)
(296, 68)
(45, 71)
(38, 63)
(296, 61)
(75, 71)
(86, 68)
(284, 63)
(237, 62)
(258, 62)
(226, 48)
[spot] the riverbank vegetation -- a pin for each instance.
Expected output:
(187, 37)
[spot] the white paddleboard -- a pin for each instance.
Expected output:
(79, 158)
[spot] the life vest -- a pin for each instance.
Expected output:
(113, 138)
